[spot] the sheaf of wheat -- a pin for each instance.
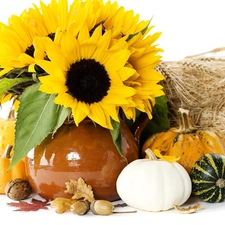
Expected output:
(197, 83)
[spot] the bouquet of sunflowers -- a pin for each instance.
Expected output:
(88, 59)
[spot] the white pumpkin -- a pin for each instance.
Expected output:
(154, 184)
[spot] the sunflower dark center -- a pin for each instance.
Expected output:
(88, 81)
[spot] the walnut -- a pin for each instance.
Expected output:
(18, 189)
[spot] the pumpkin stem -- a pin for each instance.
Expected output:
(150, 154)
(220, 183)
(11, 115)
(7, 152)
(185, 122)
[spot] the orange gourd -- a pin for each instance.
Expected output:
(187, 141)
(17, 171)
(7, 130)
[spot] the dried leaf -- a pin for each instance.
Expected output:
(188, 210)
(62, 204)
(34, 205)
(80, 190)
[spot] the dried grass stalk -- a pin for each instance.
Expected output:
(197, 83)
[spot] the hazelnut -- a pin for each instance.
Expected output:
(18, 189)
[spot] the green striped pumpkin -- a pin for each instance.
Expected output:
(208, 178)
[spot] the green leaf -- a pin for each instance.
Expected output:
(160, 121)
(37, 117)
(6, 84)
(116, 135)
(142, 31)
(62, 115)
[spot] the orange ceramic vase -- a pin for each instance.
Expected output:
(86, 152)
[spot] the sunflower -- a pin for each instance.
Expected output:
(15, 45)
(83, 13)
(144, 58)
(124, 23)
(145, 81)
(16, 38)
(17, 51)
(121, 22)
(87, 74)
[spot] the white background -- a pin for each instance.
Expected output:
(188, 26)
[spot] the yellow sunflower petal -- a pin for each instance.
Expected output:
(83, 35)
(125, 73)
(55, 54)
(45, 65)
(66, 100)
(167, 158)
(111, 110)
(130, 113)
(48, 16)
(53, 84)
(5, 71)
(97, 114)
(5, 98)
(26, 59)
(71, 48)
(78, 114)
(40, 44)
(23, 31)
(84, 107)
(63, 13)
(117, 60)
(122, 91)
(16, 105)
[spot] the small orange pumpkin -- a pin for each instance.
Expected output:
(7, 130)
(187, 141)
(17, 171)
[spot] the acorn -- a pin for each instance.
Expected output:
(101, 207)
(80, 207)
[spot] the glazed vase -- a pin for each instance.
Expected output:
(86, 152)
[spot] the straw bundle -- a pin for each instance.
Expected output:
(197, 83)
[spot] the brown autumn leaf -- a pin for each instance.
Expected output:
(34, 205)
(80, 190)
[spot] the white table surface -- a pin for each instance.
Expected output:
(209, 213)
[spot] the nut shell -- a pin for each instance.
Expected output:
(102, 207)
(80, 208)
(18, 189)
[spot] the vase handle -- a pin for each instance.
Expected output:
(138, 127)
